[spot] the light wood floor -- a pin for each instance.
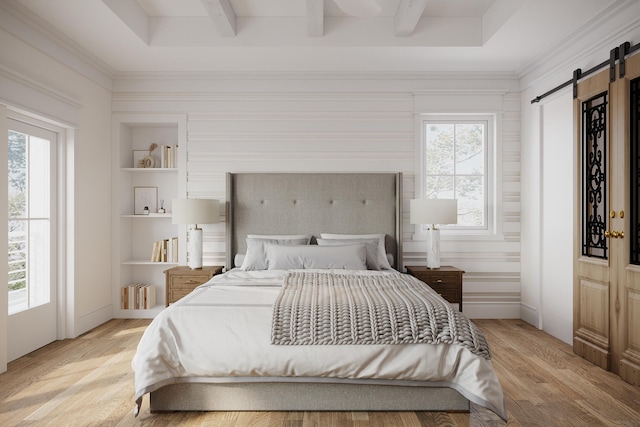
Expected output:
(88, 382)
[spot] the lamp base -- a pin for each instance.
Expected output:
(433, 248)
(195, 248)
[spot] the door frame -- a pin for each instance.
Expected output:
(60, 258)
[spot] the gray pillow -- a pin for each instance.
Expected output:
(348, 257)
(255, 258)
(371, 247)
(383, 263)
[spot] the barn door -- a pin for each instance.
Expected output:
(594, 267)
(625, 324)
(607, 268)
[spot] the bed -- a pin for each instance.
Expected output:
(223, 347)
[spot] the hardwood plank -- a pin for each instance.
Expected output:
(88, 381)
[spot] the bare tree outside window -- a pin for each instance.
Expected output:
(455, 167)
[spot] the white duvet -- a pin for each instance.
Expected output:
(221, 332)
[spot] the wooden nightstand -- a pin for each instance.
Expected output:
(182, 280)
(446, 280)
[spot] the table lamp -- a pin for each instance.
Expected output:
(195, 211)
(433, 212)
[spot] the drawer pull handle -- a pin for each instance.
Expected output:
(191, 282)
(439, 281)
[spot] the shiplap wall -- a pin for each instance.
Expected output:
(347, 125)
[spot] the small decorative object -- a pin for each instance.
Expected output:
(145, 200)
(138, 158)
(149, 160)
(161, 209)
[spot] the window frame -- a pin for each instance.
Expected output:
(490, 171)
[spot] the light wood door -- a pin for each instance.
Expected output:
(594, 276)
(607, 273)
(625, 304)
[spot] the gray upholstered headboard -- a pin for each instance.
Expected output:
(314, 203)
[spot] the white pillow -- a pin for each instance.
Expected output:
(383, 263)
(349, 257)
(255, 258)
(371, 247)
(281, 237)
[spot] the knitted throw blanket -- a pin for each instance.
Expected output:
(322, 308)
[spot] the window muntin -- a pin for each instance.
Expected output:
(456, 163)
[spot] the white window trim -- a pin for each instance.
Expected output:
(492, 174)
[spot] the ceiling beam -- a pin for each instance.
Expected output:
(222, 15)
(407, 16)
(500, 12)
(132, 15)
(315, 18)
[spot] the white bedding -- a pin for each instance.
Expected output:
(221, 332)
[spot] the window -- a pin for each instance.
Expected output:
(31, 158)
(456, 154)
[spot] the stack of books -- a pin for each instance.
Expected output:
(138, 296)
(169, 156)
(165, 250)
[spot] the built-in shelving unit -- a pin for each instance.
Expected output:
(136, 233)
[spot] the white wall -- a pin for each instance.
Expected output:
(558, 180)
(343, 122)
(39, 85)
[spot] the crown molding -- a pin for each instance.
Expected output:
(17, 20)
(313, 75)
(577, 48)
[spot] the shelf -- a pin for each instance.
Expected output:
(151, 215)
(136, 235)
(148, 170)
(141, 262)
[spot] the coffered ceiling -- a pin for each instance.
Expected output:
(172, 36)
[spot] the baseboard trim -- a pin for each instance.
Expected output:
(491, 310)
(89, 321)
(530, 315)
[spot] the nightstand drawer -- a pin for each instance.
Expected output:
(182, 280)
(176, 294)
(187, 282)
(451, 296)
(446, 281)
(442, 282)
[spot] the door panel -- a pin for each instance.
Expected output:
(626, 307)
(592, 282)
(607, 269)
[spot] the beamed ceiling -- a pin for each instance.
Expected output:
(173, 36)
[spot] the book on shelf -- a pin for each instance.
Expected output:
(174, 249)
(138, 296)
(156, 253)
(169, 156)
(165, 250)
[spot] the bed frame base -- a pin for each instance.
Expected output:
(304, 397)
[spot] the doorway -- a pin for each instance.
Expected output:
(32, 237)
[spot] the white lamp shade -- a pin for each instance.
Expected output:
(195, 211)
(433, 211)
